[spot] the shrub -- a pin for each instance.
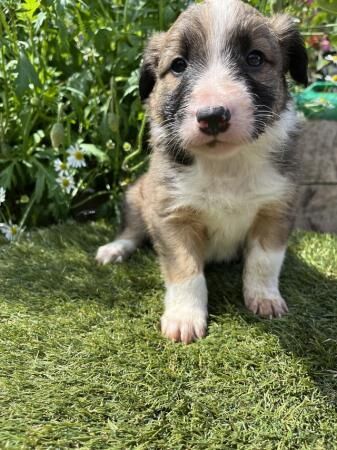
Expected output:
(70, 69)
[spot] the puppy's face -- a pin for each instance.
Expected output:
(216, 79)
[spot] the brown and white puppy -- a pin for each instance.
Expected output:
(222, 177)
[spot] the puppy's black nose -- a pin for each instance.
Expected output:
(213, 119)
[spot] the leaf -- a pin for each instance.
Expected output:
(168, 14)
(28, 8)
(333, 40)
(102, 40)
(60, 23)
(6, 176)
(39, 186)
(48, 174)
(41, 17)
(79, 84)
(132, 84)
(327, 5)
(321, 63)
(26, 75)
(91, 149)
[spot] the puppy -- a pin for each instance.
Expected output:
(222, 176)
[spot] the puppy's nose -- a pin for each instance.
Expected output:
(213, 119)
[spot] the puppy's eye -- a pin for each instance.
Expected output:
(178, 65)
(255, 58)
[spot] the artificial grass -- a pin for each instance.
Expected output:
(83, 365)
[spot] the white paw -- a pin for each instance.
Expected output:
(117, 251)
(184, 324)
(267, 305)
(185, 316)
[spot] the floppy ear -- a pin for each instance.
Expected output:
(148, 70)
(294, 54)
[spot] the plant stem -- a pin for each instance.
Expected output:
(161, 15)
(27, 211)
(88, 199)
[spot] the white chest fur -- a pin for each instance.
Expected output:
(228, 194)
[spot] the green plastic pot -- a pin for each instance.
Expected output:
(318, 101)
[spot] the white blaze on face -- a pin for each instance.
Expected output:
(223, 17)
(218, 84)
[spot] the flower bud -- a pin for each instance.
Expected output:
(127, 147)
(112, 122)
(34, 101)
(110, 145)
(57, 135)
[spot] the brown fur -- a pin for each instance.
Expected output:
(272, 225)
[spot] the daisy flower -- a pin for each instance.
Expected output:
(76, 156)
(60, 166)
(11, 231)
(66, 182)
(2, 195)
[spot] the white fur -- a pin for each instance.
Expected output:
(185, 316)
(224, 14)
(115, 251)
(261, 274)
(229, 191)
(218, 84)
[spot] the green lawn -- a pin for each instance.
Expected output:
(83, 365)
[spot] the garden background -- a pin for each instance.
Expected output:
(72, 129)
(82, 361)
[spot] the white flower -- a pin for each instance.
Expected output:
(66, 182)
(76, 156)
(2, 195)
(60, 166)
(89, 52)
(10, 231)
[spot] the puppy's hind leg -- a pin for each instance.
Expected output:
(133, 233)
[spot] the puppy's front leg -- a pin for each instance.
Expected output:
(181, 251)
(265, 250)
(185, 316)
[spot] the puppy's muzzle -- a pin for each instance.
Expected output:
(213, 119)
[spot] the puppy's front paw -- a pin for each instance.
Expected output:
(267, 306)
(117, 251)
(184, 324)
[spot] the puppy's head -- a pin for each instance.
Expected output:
(216, 79)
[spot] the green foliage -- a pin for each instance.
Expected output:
(69, 68)
(75, 64)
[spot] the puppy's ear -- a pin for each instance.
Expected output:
(148, 70)
(294, 54)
